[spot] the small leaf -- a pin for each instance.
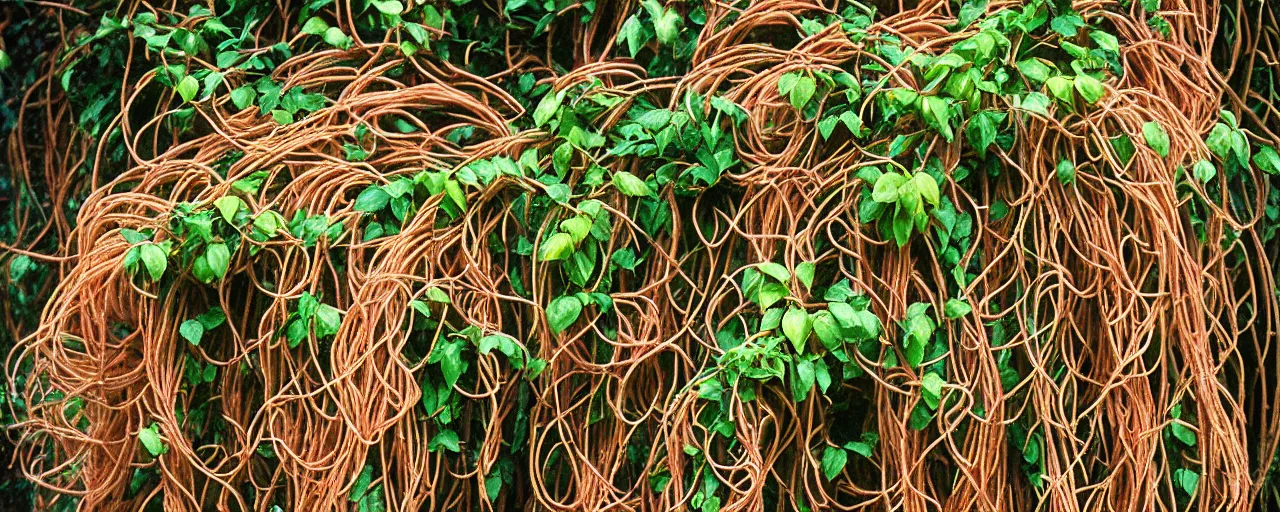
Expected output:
(563, 312)
(630, 185)
(446, 439)
(1066, 172)
(804, 272)
(786, 83)
(1267, 160)
(796, 325)
(775, 270)
(827, 125)
(1156, 138)
(928, 187)
(1060, 87)
(956, 308)
(546, 108)
(315, 26)
(667, 27)
(932, 384)
(361, 485)
(557, 247)
(219, 258)
(150, 439)
(802, 92)
(388, 7)
(435, 294)
(327, 320)
(1204, 171)
(187, 88)
(771, 293)
(192, 330)
(228, 206)
(1184, 434)
(242, 97)
(336, 38)
(886, 187)
(372, 199)
(1089, 88)
(577, 227)
(833, 461)
(154, 258)
(1187, 479)
(1034, 70)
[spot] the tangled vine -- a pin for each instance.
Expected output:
(619, 255)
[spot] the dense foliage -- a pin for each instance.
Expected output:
(578, 255)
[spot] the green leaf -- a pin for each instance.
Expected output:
(796, 325)
(833, 461)
(1037, 103)
(981, 131)
(827, 125)
(956, 308)
(803, 91)
(1035, 70)
(297, 331)
(336, 38)
(242, 97)
(630, 185)
(435, 294)
(667, 27)
(865, 447)
(886, 187)
(315, 26)
(1267, 160)
(771, 293)
(361, 485)
(1060, 87)
(388, 7)
(577, 227)
(827, 328)
(1219, 140)
(803, 379)
(557, 247)
(1187, 479)
(219, 258)
(1105, 40)
(563, 312)
(327, 320)
(804, 272)
(1184, 434)
(937, 113)
(1089, 88)
(1066, 172)
(1204, 171)
(1156, 138)
(150, 439)
(928, 187)
(212, 318)
(547, 108)
(372, 199)
(786, 83)
(187, 88)
(775, 270)
(446, 439)
(932, 384)
(154, 258)
(192, 330)
(228, 206)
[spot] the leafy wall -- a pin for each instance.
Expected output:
(585, 255)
